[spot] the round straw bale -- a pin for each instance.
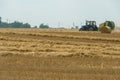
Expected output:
(105, 29)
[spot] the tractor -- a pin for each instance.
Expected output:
(107, 27)
(90, 26)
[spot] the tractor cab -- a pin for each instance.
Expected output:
(90, 23)
(90, 26)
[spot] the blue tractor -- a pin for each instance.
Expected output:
(90, 26)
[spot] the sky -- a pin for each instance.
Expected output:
(60, 13)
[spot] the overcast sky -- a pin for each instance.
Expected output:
(60, 12)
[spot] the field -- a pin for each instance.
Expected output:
(59, 54)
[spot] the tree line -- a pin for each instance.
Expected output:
(17, 24)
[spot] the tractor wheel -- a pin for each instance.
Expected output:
(80, 29)
(90, 29)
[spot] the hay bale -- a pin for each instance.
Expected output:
(104, 29)
(107, 27)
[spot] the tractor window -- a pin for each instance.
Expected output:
(93, 23)
(87, 23)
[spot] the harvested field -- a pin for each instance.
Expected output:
(59, 54)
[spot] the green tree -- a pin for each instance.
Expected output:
(43, 26)
(76, 27)
(26, 25)
(0, 20)
(4, 25)
(35, 27)
(15, 24)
